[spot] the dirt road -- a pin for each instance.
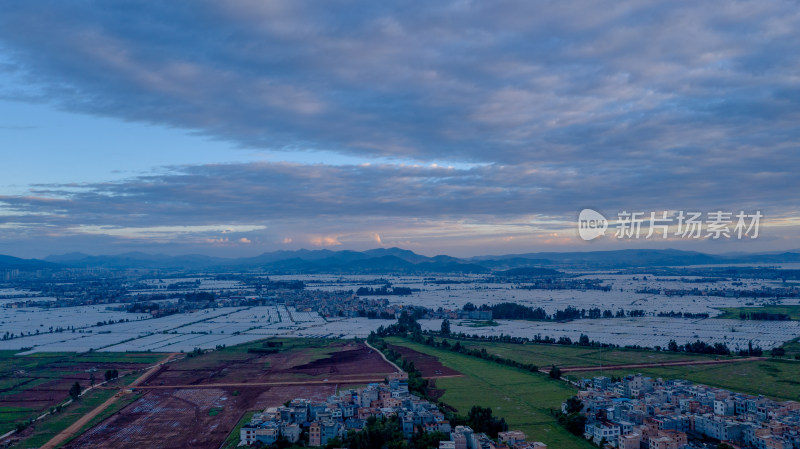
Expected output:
(332, 381)
(384, 357)
(65, 434)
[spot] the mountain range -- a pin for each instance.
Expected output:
(394, 260)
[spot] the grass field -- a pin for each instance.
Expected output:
(779, 379)
(565, 356)
(733, 312)
(523, 399)
(792, 348)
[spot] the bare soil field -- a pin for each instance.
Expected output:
(35, 383)
(187, 417)
(429, 366)
(341, 359)
(191, 402)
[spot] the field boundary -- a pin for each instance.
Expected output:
(571, 369)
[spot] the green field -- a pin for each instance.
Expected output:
(522, 398)
(733, 312)
(565, 356)
(779, 379)
(792, 348)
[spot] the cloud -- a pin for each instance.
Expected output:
(384, 204)
(252, 195)
(328, 240)
(504, 82)
(476, 121)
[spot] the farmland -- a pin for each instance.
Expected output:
(43, 431)
(774, 378)
(793, 311)
(211, 392)
(645, 331)
(544, 355)
(206, 329)
(324, 308)
(32, 384)
(523, 399)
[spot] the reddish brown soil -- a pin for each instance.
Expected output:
(178, 417)
(428, 365)
(56, 389)
(349, 360)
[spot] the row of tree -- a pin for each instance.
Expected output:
(513, 311)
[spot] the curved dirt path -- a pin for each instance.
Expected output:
(383, 356)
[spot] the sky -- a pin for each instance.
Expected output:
(454, 127)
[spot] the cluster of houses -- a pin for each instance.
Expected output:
(350, 409)
(640, 412)
(463, 437)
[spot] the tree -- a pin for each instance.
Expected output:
(427, 440)
(555, 372)
(91, 379)
(672, 346)
(480, 419)
(445, 327)
(333, 443)
(75, 390)
(574, 405)
(778, 352)
(575, 423)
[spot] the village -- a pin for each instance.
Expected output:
(641, 412)
(351, 410)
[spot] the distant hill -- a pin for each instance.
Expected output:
(15, 263)
(397, 260)
(377, 261)
(135, 260)
(611, 259)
